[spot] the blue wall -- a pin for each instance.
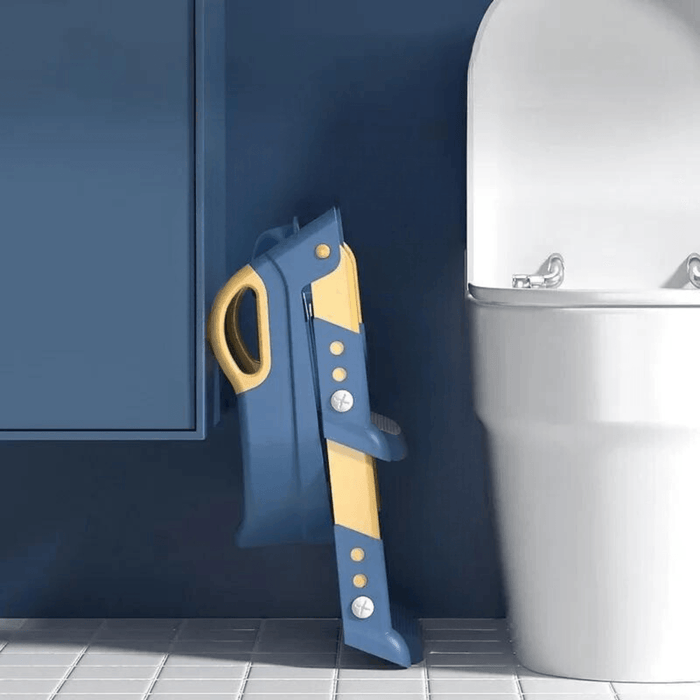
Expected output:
(357, 104)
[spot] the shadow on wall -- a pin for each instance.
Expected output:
(145, 529)
(376, 125)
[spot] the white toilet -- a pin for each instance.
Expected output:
(583, 228)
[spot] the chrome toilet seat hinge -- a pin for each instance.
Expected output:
(551, 279)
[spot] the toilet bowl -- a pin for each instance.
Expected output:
(583, 169)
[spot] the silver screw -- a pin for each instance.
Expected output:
(342, 401)
(362, 607)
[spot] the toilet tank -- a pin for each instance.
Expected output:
(584, 140)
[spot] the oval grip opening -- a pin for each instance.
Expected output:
(242, 332)
(243, 369)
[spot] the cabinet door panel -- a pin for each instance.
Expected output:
(97, 288)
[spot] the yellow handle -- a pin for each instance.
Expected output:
(240, 367)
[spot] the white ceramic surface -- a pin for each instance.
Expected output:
(584, 140)
(593, 434)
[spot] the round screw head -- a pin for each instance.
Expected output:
(342, 401)
(323, 251)
(362, 607)
(340, 374)
(359, 580)
(357, 554)
(337, 347)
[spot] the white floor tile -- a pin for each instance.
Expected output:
(468, 647)
(27, 686)
(236, 661)
(523, 672)
(317, 625)
(42, 648)
(96, 686)
(381, 685)
(660, 695)
(221, 623)
(105, 696)
(563, 685)
(77, 623)
(294, 660)
(135, 635)
(290, 686)
(356, 659)
(196, 685)
(650, 690)
(92, 658)
(569, 696)
(381, 673)
(293, 647)
(217, 635)
(168, 673)
(383, 696)
(455, 672)
(33, 672)
(81, 672)
(264, 696)
(468, 659)
(11, 623)
(213, 647)
(258, 672)
(440, 634)
(463, 623)
(133, 646)
(478, 696)
(186, 696)
(32, 659)
(473, 685)
(657, 691)
(54, 636)
(135, 623)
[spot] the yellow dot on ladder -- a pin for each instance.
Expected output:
(357, 554)
(337, 348)
(339, 374)
(323, 251)
(359, 580)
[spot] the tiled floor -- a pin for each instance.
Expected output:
(208, 659)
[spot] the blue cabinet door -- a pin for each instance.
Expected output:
(111, 181)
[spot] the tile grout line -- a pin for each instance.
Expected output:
(424, 673)
(426, 683)
(518, 684)
(338, 661)
(249, 665)
(76, 661)
(164, 660)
